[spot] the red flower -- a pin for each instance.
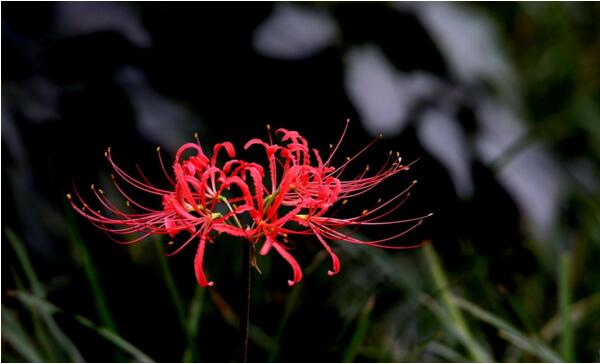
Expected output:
(205, 199)
(189, 205)
(306, 191)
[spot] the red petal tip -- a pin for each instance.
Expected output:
(291, 283)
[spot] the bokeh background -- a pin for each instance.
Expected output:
(499, 103)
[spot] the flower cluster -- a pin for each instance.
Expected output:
(293, 195)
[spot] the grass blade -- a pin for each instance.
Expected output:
(19, 249)
(360, 332)
(15, 335)
(176, 299)
(38, 328)
(477, 352)
(445, 352)
(578, 312)
(38, 291)
(116, 340)
(50, 309)
(91, 274)
(508, 332)
(256, 334)
(290, 304)
(565, 293)
(194, 322)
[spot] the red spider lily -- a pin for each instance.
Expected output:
(190, 204)
(293, 199)
(305, 192)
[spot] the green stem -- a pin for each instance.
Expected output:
(170, 283)
(439, 277)
(91, 275)
(245, 310)
(564, 301)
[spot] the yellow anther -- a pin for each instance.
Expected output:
(196, 135)
(330, 146)
(379, 200)
(367, 167)
(390, 153)
(285, 235)
(170, 243)
(100, 190)
(381, 135)
(365, 211)
(158, 148)
(344, 202)
(413, 182)
(347, 120)
(69, 196)
(268, 126)
(92, 186)
(347, 158)
(398, 154)
(127, 203)
(106, 154)
(108, 149)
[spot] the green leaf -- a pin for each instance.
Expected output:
(445, 352)
(578, 312)
(508, 332)
(90, 272)
(14, 334)
(290, 304)
(360, 332)
(38, 290)
(195, 314)
(460, 327)
(49, 308)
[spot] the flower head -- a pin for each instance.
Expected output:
(293, 195)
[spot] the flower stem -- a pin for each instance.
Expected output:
(245, 310)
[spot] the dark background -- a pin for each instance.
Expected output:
(499, 102)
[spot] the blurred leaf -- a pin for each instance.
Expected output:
(176, 299)
(116, 340)
(565, 296)
(441, 135)
(507, 331)
(383, 96)
(477, 352)
(37, 287)
(577, 314)
(360, 332)
(195, 314)
(15, 335)
(39, 331)
(19, 248)
(90, 273)
(256, 334)
(290, 305)
(445, 352)
(50, 309)
(294, 32)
